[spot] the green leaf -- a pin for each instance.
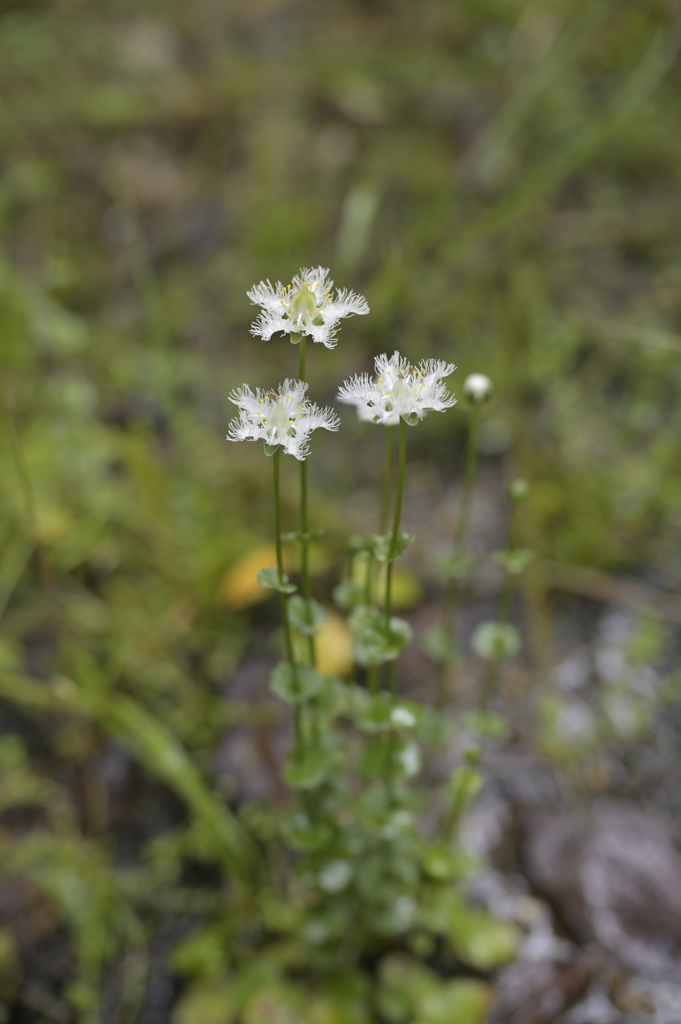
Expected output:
(201, 953)
(206, 1004)
(305, 616)
(349, 594)
(514, 560)
(308, 769)
(295, 685)
(374, 640)
(410, 418)
(486, 723)
(442, 862)
(275, 1004)
(357, 544)
(335, 875)
(406, 760)
(519, 490)
(295, 338)
(382, 713)
(403, 983)
(456, 567)
(464, 784)
(493, 641)
(270, 580)
(461, 1001)
(304, 835)
(384, 550)
(341, 698)
(439, 645)
(299, 535)
(481, 940)
(271, 449)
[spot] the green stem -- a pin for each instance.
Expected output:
(387, 474)
(453, 588)
(305, 554)
(368, 590)
(491, 676)
(468, 480)
(301, 358)
(393, 542)
(290, 657)
(304, 525)
(276, 459)
(396, 519)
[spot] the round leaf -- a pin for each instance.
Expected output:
(295, 685)
(305, 616)
(306, 770)
(270, 579)
(439, 645)
(494, 641)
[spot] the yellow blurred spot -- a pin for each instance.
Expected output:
(239, 587)
(406, 589)
(333, 646)
(52, 523)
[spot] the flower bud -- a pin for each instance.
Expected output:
(518, 490)
(478, 388)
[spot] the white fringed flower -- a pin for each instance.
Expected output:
(306, 306)
(399, 390)
(284, 417)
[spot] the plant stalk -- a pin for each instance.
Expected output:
(393, 541)
(290, 657)
(304, 525)
(453, 587)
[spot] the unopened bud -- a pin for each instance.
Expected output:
(518, 490)
(478, 388)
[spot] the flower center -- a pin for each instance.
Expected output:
(279, 415)
(303, 305)
(397, 391)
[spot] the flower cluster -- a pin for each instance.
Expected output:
(304, 307)
(399, 390)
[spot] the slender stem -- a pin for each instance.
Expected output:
(304, 525)
(290, 656)
(396, 519)
(453, 588)
(387, 474)
(301, 358)
(468, 480)
(280, 556)
(368, 590)
(372, 564)
(305, 555)
(393, 543)
(503, 612)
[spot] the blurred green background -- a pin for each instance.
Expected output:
(500, 178)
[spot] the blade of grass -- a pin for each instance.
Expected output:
(556, 63)
(539, 184)
(155, 747)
